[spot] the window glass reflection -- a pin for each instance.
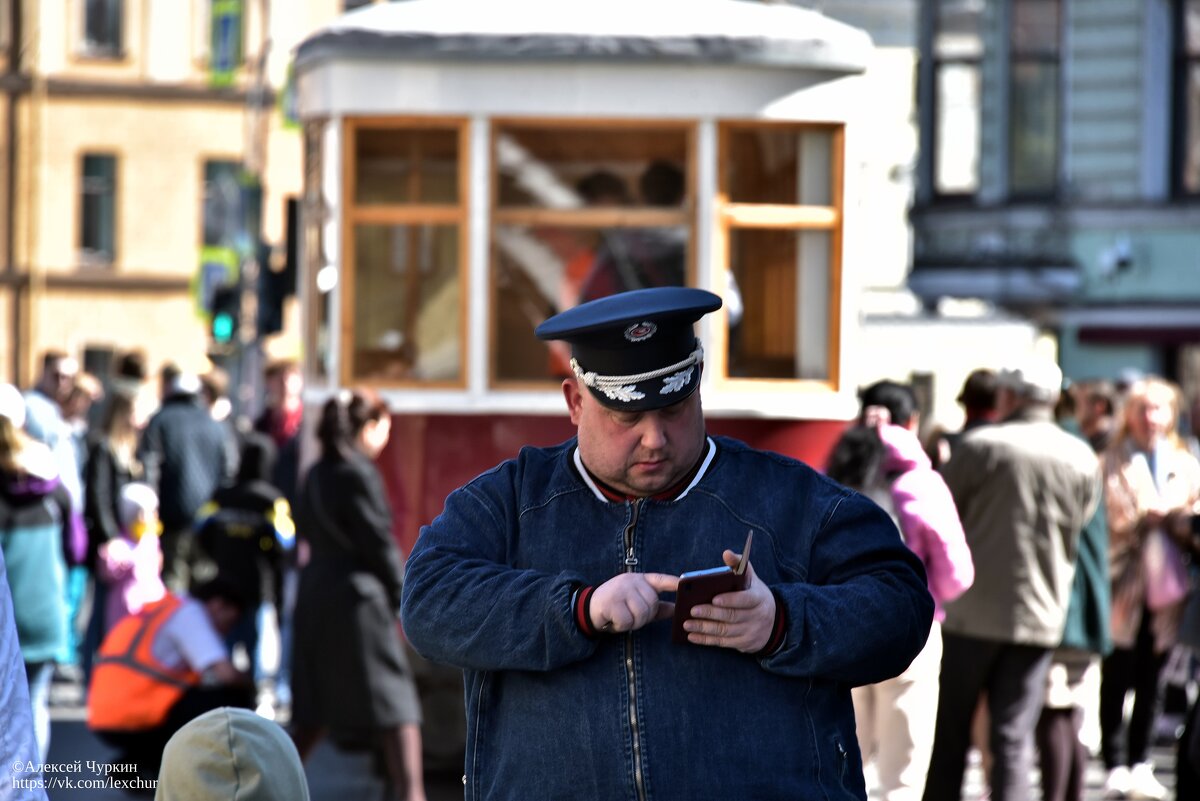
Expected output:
(784, 278)
(406, 303)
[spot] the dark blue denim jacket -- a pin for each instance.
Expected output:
(552, 714)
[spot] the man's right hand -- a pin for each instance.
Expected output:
(630, 600)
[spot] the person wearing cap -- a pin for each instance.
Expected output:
(186, 455)
(1024, 489)
(549, 580)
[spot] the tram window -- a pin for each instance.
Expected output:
(541, 270)
(406, 166)
(783, 277)
(780, 166)
(581, 212)
(406, 303)
(568, 167)
(779, 205)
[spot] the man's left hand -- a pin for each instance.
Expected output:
(741, 620)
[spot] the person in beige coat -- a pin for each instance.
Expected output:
(1152, 486)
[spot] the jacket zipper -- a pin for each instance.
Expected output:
(631, 562)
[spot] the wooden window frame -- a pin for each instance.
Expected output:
(354, 214)
(730, 216)
(632, 217)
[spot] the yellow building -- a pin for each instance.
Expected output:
(113, 137)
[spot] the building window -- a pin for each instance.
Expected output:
(779, 208)
(957, 53)
(1187, 98)
(1034, 91)
(581, 211)
(98, 200)
(102, 20)
(407, 220)
(222, 209)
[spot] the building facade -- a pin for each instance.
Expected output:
(1059, 173)
(120, 142)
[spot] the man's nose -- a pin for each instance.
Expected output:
(654, 434)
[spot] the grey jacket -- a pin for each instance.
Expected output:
(1024, 489)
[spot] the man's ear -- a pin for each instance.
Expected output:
(574, 397)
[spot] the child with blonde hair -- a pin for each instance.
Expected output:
(131, 564)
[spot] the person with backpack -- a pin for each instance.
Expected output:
(882, 458)
(246, 529)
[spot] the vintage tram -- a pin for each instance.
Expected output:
(471, 165)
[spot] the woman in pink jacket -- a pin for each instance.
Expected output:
(883, 459)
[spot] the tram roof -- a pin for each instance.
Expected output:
(712, 32)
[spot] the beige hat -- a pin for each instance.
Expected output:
(1036, 378)
(231, 755)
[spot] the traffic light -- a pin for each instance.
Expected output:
(226, 307)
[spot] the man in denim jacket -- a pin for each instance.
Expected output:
(544, 579)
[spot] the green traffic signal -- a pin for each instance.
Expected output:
(225, 308)
(222, 327)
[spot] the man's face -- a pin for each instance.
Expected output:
(637, 453)
(224, 615)
(59, 378)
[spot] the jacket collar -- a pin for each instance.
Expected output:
(673, 493)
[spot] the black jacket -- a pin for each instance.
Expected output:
(104, 478)
(187, 455)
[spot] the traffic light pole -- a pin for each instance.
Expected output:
(246, 373)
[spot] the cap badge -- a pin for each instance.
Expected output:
(640, 332)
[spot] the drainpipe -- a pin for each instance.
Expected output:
(13, 93)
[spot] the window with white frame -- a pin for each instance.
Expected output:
(1186, 177)
(957, 54)
(1035, 54)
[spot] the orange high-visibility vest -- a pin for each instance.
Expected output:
(130, 689)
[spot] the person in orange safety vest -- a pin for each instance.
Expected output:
(161, 667)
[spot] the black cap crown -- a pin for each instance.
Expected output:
(636, 350)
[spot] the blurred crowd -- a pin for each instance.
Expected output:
(149, 542)
(123, 491)
(1060, 530)
(144, 530)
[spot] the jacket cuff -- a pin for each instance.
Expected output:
(778, 630)
(581, 603)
